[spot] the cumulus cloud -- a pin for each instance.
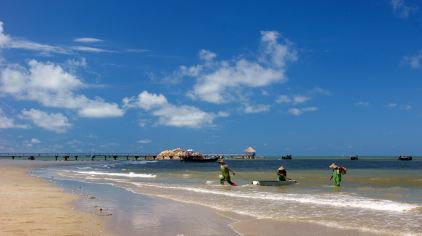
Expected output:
(402, 9)
(87, 40)
(299, 111)
(169, 114)
(50, 85)
(414, 61)
(218, 81)
(7, 41)
(50, 121)
(9, 123)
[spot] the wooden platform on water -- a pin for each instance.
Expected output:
(102, 156)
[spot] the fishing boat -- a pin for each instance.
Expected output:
(191, 156)
(405, 158)
(198, 159)
(273, 182)
(286, 157)
(354, 158)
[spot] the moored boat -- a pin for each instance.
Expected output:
(405, 158)
(198, 159)
(287, 157)
(354, 158)
(191, 156)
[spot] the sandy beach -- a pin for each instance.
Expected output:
(31, 206)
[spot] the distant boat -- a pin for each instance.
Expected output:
(191, 156)
(286, 157)
(405, 158)
(354, 158)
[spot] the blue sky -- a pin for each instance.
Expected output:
(300, 77)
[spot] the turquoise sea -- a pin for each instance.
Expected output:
(378, 194)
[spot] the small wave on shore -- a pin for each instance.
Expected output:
(130, 174)
(331, 200)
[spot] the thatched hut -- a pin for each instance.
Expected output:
(250, 151)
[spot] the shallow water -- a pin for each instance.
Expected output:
(376, 195)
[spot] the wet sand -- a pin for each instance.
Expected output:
(31, 206)
(272, 228)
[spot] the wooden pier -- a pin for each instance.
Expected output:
(79, 156)
(103, 156)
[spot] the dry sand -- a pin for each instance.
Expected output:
(31, 206)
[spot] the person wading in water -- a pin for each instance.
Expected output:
(338, 171)
(282, 174)
(225, 173)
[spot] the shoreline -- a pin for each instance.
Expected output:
(137, 213)
(33, 206)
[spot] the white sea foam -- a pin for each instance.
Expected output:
(130, 174)
(331, 200)
(84, 168)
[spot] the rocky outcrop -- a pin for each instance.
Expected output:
(174, 154)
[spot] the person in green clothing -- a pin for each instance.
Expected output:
(337, 173)
(225, 173)
(282, 174)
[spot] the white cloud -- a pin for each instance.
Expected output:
(299, 111)
(361, 104)
(415, 61)
(147, 101)
(299, 99)
(169, 114)
(207, 55)
(89, 49)
(9, 123)
(144, 141)
(35, 141)
(7, 41)
(401, 107)
(50, 85)
(392, 105)
(31, 142)
(407, 107)
(219, 81)
(87, 40)
(295, 99)
(256, 108)
(283, 99)
(402, 9)
(73, 63)
(51, 121)
(99, 109)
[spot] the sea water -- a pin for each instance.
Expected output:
(381, 195)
